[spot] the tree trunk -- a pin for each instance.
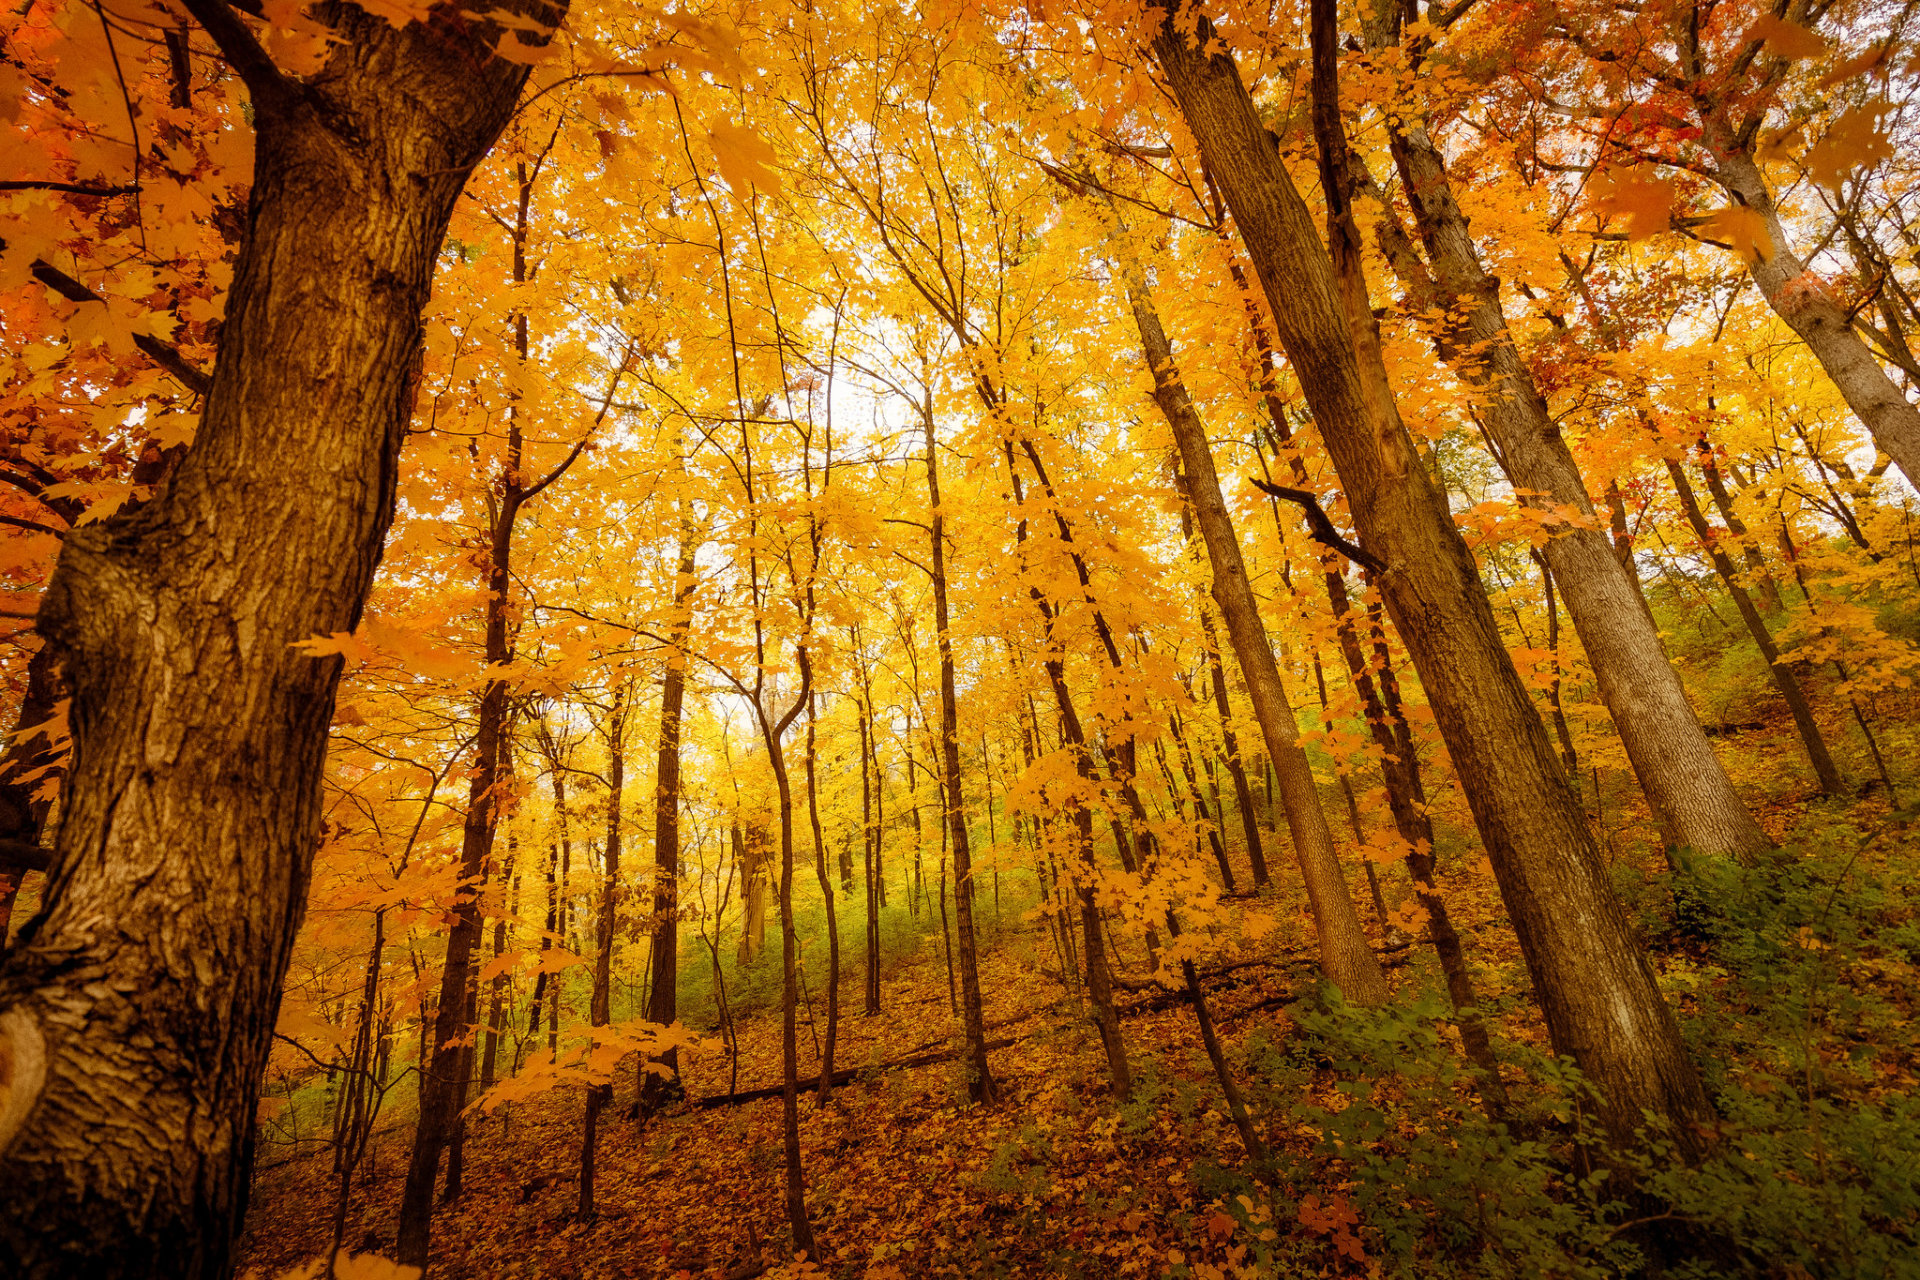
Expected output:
(1345, 956)
(1602, 1004)
(1688, 790)
(193, 807)
(1783, 678)
(663, 1001)
(443, 1089)
(1889, 417)
(980, 1086)
(833, 919)
(796, 1198)
(1230, 745)
(600, 1012)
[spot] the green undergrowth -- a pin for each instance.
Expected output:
(1794, 982)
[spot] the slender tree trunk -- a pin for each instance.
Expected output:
(796, 1197)
(1784, 680)
(1230, 743)
(1345, 956)
(833, 920)
(600, 1012)
(663, 1000)
(1602, 1004)
(980, 1085)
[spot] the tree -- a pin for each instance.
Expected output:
(198, 727)
(1591, 976)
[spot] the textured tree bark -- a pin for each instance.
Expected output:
(1345, 956)
(1593, 980)
(193, 805)
(1692, 798)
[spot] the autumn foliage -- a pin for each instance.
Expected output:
(904, 724)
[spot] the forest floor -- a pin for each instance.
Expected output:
(907, 1179)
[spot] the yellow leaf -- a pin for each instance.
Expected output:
(1861, 63)
(744, 158)
(1741, 227)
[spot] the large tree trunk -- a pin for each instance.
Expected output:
(979, 1080)
(1688, 790)
(193, 806)
(1345, 955)
(1593, 980)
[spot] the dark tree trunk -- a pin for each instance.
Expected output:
(192, 809)
(833, 919)
(980, 1085)
(663, 1000)
(600, 1011)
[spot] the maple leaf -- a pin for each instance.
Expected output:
(745, 159)
(1856, 140)
(1741, 227)
(1783, 39)
(1644, 200)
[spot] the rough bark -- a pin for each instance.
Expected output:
(193, 805)
(1594, 983)
(1688, 790)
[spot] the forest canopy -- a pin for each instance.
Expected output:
(974, 637)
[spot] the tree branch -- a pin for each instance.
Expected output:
(1319, 524)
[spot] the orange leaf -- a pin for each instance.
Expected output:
(1645, 201)
(745, 159)
(1785, 39)
(1856, 140)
